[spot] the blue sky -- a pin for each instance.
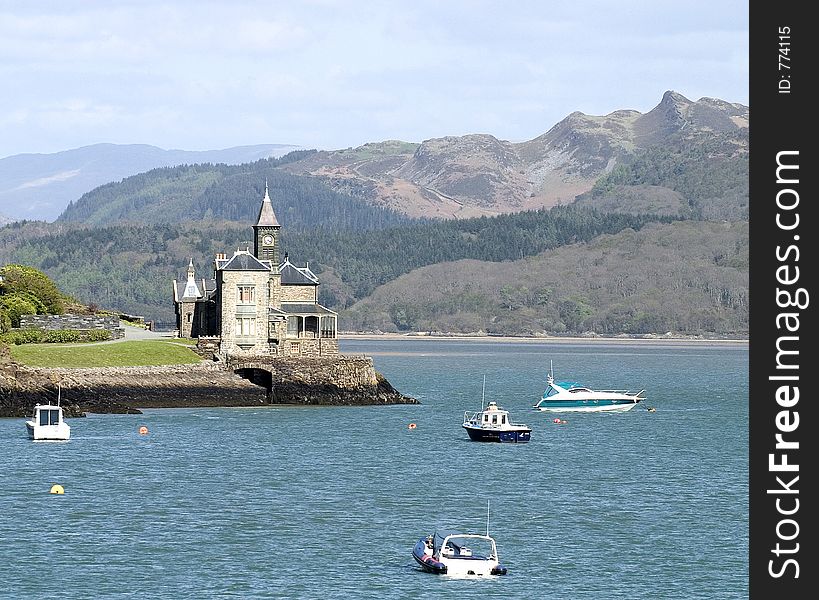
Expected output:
(332, 74)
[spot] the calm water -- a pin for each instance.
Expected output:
(327, 502)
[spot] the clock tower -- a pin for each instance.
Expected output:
(266, 232)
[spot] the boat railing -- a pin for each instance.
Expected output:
(472, 416)
(627, 392)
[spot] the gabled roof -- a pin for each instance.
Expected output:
(293, 275)
(191, 289)
(267, 217)
(243, 260)
(204, 290)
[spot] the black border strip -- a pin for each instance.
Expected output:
(781, 247)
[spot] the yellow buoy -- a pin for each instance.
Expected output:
(143, 430)
(57, 489)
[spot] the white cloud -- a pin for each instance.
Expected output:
(329, 73)
(62, 176)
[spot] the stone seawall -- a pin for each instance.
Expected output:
(74, 323)
(326, 381)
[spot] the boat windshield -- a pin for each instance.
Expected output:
(439, 538)
(563, 385)
(49, 417)
(469, 547)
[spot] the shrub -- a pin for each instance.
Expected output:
(16, 305)
(54, 336)
(98, 335)
(22, 336)
(19, 278)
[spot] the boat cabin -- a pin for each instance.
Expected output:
(47, 423)
(47, 415)
(494, 416)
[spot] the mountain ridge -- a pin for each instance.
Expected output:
(479, 174)
(39, 186)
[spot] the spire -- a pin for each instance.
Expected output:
(266, 215)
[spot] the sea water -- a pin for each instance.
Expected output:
(328, 502)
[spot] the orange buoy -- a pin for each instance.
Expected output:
(412, 425)
(143, 430)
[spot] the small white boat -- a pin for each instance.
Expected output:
(565, 396)
(48, 422)
(459, 554)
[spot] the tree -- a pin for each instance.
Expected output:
(16, 278)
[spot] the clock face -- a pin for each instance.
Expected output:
(268, 239)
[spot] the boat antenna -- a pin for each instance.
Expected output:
(483, 391)
(551, 372)
(58, 394)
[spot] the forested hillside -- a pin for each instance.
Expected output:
(708, 175)
(223, 192)
(683, 277)
(130, 267)
(587, 264)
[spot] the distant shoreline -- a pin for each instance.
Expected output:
(687, 341)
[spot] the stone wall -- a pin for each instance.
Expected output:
(207, 347)
(342, 371)
(309, 347)
(299, 293)
(335, 380)
(229, 282)
(128, 389)
(341, 380)
(74, 322)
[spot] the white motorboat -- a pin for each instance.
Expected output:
(48, 422)
(459, 554)
(565, 396)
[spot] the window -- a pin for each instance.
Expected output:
(293, 326)
(295, 348)
(245, 327)
(328, 327)
(188, 317)
(246, 294)
(494, 419)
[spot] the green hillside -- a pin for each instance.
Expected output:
(704, 177)
(683, 277)
(222, 192)
(131, 267)
(590, 266)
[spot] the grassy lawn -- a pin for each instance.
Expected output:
(120, 354)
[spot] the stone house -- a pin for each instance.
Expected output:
(256, 304)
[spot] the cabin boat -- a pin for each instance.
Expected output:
(459, 554)
(48, 422)
(493, 424)
(565, 396)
